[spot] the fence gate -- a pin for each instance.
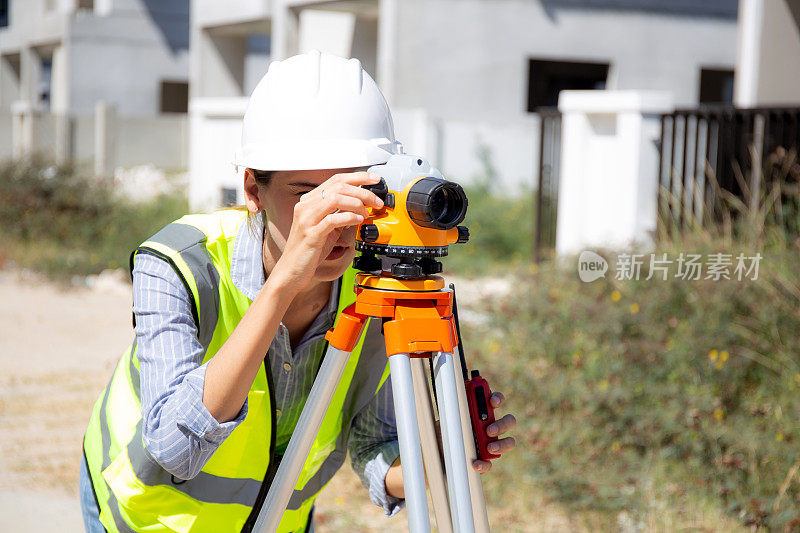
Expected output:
(717, 151)
(546, 201)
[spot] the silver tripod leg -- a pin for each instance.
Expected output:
(453, 441)
(280, 491)
(405, 411)
(475, 488)
(434, 467)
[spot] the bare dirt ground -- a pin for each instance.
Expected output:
(58, 347)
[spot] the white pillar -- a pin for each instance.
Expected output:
(22, 128)
(59, 81)
(285, 30)
(104, 138)
(387, 48)
(609, 168)
(751, 22)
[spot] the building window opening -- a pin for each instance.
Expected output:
(174, 97)
(3, 13)
(548, 78)
(229, 197)
(86, 4)
(45, 82)
(716, 86)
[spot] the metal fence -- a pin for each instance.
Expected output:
(712, 155)
(549, 158)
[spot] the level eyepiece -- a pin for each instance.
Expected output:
(436, 203)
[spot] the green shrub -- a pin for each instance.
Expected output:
(500, 224)
(657, 398)
(62, 223)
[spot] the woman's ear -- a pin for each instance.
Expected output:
(251, 199)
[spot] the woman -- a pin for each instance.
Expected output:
(230, 311)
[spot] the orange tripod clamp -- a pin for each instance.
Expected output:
(415, 322)
(347, 330)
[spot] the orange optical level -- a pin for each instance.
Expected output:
(419, 220)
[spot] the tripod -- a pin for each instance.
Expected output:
(418, 325)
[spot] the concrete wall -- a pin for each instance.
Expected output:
(468, 59)
(6, 142)
(341, 33)
(160, 141)
(213, 13)
(122, 57)
(778, 55)
(215, 132)
(119, 52)
(455, 71)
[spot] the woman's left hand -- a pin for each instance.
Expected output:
(497, 428)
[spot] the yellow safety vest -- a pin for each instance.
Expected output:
(133, 492)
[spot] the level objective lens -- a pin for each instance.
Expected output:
(436, 203)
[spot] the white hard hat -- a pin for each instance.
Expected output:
(316, 111)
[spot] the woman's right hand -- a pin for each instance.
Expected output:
(321, 218)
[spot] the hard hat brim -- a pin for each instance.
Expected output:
(318, 154)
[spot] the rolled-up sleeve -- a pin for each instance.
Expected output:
(373, 448)
(177, 429)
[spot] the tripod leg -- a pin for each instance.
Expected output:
(280, 491)
(408, 437)
(475, 488)
(453, 439)
(434, 468)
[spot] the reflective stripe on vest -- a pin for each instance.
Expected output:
(134, 492)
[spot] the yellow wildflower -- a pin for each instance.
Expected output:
(723, 355)
(712, 355)
(718, 414)
(616, 296)
(779, 436)
(603, 385)
(634, 307)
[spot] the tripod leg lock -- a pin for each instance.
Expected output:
(345, 334)
(481, 413)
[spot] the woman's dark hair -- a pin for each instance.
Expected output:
(263, 177)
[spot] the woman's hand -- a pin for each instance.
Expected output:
(499, 427)
(320, 217)
(394, 477)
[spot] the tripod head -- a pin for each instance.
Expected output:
(418, 221)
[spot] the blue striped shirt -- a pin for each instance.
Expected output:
(178, 430)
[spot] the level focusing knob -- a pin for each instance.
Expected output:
(369, 233)
(380, 189)
(463, 234)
